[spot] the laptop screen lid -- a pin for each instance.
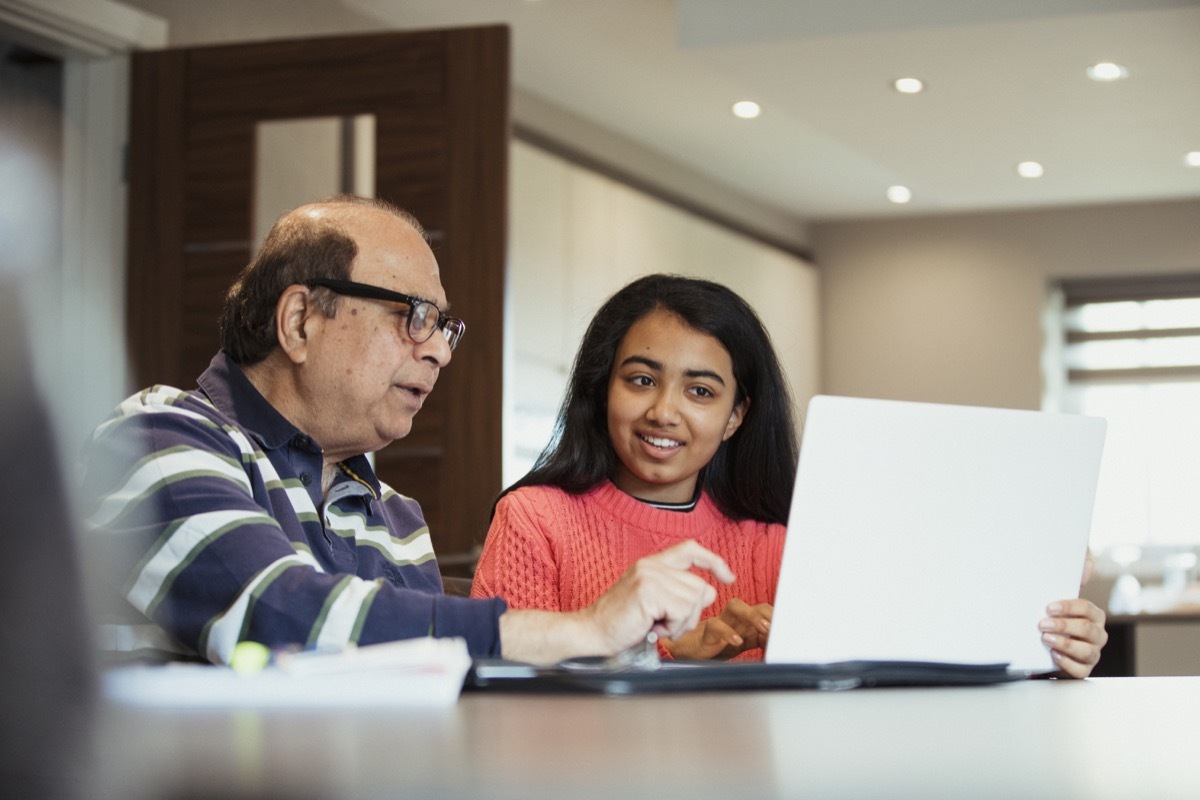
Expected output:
(929, 532)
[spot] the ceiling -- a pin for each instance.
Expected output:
(1005, 83)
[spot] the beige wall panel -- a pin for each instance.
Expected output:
(948, 309)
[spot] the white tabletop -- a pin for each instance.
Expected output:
(1101, 738)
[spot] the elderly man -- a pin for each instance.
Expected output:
(246, 510)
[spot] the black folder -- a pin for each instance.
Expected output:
(593, 676)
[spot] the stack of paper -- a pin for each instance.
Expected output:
(415, 672)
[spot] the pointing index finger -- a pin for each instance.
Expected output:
(691, 554)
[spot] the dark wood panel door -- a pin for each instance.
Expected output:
(440, 102)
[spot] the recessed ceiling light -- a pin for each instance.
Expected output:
(1107, 71)
(908, 85)
(899, 194)
(746, 109)
(1192, 159)
(1030, 169)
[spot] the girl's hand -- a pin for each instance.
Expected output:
(1074, 630)
(739, 627)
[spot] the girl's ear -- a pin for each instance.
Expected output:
(735, 418)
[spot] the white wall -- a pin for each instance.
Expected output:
(63, 198)
(948, 308)
(93, 259)
(62, 234)
(576, 237)
(31, 169)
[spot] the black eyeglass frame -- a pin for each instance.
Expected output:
(452, 328)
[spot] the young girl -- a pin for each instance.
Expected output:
(677, 424)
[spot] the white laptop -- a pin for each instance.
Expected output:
(933, 533)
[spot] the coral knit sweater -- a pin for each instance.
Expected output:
(547, 549)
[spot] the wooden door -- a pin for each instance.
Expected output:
(440, 102)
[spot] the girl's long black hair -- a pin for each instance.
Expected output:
(751, 474)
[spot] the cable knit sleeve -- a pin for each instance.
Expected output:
(518, 561)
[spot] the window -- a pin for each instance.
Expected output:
(1129, 351)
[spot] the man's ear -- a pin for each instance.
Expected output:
(293, 322)
(735, 418)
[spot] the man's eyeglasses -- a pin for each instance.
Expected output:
(423, 316)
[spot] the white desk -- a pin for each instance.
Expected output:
(1103, 738)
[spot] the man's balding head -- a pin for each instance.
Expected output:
(309, 242)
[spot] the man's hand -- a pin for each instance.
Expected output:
(658, 593)
(739, 628)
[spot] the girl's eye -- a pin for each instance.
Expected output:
(703, 391)
(641, 380)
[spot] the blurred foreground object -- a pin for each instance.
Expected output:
(47, 678)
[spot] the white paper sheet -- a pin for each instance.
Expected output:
(415, 672)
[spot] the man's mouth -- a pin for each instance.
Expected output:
(418, 391)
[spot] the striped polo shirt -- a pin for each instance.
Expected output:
(205, 516)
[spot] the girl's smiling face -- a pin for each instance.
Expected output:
(671, 403)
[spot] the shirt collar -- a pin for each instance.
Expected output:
(227, 386)
(232, 392)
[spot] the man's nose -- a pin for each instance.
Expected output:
(435, 350)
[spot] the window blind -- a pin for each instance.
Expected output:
(1132, 330)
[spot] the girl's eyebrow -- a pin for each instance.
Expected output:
(658, 367)
(648, 362)
(704, 373)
